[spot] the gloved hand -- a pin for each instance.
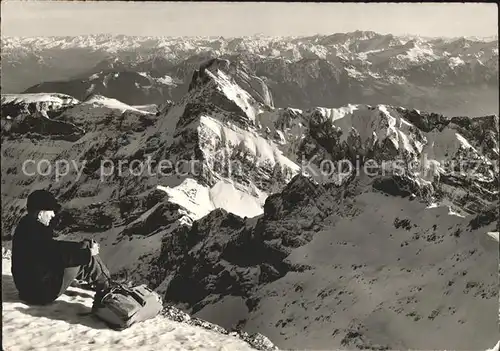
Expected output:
(94, 248)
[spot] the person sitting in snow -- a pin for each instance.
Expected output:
(43, 267)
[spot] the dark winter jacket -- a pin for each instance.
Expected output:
(38, 261)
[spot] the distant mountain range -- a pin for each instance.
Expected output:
(450, 76)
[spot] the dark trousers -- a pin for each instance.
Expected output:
(95, 273)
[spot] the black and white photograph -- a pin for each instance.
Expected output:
(242, 176)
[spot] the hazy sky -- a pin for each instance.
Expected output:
(47, 18)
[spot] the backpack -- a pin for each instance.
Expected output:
(121, 306)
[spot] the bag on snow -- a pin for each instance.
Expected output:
(122, 306)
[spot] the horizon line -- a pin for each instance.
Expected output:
(261, 35)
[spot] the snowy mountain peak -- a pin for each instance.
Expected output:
(43, 103)
(235, 80)
(55, 98)
(113, 104)
(216, 123)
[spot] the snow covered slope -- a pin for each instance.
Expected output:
(62, 116)
(36, 114)
(16, 104)
(53, 100)
(63, 325)
(110, 103)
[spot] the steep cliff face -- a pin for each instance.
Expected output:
(239, 73)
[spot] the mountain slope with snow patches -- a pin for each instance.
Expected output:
(233, 213)
(135, 88)
(219, 125)
(349, 267)
(237, 142)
